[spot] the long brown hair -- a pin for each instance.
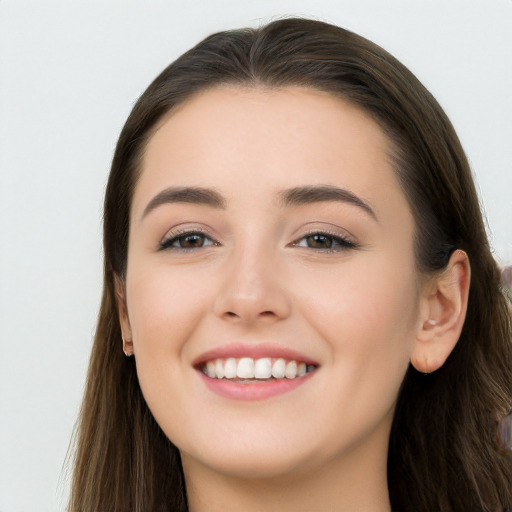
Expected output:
(443, 454)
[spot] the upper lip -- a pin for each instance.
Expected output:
(254, 350)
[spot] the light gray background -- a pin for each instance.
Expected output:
(69, 73)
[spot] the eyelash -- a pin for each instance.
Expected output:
(173, 238)
(340, 243)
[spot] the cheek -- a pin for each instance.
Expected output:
(164, 306)
(367, 314)
(366, 293)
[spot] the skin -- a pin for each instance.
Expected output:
(362, 313)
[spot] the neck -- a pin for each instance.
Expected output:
(354, 483)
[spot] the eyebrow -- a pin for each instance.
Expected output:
(193, 195)
(320, 193)
(291, 197)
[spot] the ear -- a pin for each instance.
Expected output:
(126, 329)
(443, 308)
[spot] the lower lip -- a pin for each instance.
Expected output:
(253, 390)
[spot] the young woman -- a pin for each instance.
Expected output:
(298, 273)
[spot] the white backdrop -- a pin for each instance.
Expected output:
(69, 74)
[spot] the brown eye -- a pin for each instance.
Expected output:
(191, 241)
(187, 241)
(326, 242)
(319, 241)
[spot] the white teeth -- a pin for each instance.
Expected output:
(219, 369)
(291, 370)
(248, 368)
(263, 368)
(278, 368)
(230, 368)
(210, 369)
(245, 369)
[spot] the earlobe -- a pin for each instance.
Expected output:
(126, 330)
(442, 314)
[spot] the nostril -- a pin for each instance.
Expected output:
(263, 314)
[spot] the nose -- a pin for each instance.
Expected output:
(252, 289)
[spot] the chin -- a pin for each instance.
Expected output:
(251, 464)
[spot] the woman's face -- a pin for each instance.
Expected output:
(268, 227)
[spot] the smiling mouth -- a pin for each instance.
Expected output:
(247, 369)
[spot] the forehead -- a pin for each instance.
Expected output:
(257, 139)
